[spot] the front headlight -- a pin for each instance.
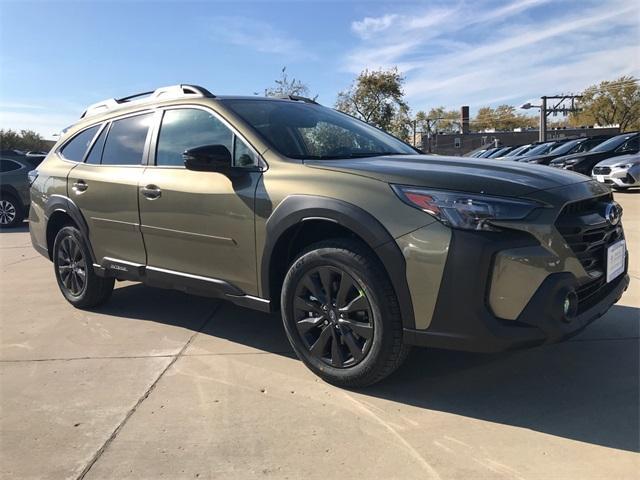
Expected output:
(573, 161)
(465, 210)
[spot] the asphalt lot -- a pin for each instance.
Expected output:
(158, 384)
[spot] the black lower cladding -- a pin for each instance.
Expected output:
(462, 319)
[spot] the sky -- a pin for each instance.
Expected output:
(58, 57)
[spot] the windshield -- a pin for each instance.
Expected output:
(566, 147)
(518, 151)
(611, 144)
(540, 149)
(301, 130)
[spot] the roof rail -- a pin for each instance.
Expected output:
(298, 98)
(162, 93)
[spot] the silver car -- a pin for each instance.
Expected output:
(619, 172)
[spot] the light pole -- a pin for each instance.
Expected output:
(542, 136)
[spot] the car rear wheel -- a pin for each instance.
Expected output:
(341, 314)
(74, 271)
(11, 212)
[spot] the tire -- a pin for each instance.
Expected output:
(364, 340)
(74, 272)
(11, 211)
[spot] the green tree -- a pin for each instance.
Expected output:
(287, 86)
(501, 118)
(438, 119)
(24, 140)
(614, 102)
(376, 97)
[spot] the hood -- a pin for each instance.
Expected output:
(583, 155)
(621, 160)
(473, 175)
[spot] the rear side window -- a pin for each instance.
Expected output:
(125, 141)
(9, 166)
(75, 149)
(95, 155)
(186, 128)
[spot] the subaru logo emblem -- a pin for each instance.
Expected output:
(613, 213)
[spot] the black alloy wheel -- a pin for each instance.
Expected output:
(333, 317)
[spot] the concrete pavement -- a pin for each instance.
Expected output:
(158, 384)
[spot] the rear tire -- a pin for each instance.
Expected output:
(74, 272)
(350, 336)
(11, 211)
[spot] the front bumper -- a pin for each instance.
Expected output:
(463, 319)
(619, 177)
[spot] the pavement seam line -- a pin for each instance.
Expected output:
(148, 392)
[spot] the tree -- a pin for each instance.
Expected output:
(614, 102)
(502, 118)
(438, 119)
(376, 97)
(286, 86)
(25, 140)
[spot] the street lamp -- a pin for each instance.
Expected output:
(543, 117)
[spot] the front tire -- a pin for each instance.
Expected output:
(341, 314)
(76, 278)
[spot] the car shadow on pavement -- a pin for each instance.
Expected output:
(22, 228)
(585, 389)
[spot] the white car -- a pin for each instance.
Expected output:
(619, 172)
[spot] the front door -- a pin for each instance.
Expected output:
(199, 223)
(105, 187)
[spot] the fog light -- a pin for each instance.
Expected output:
(570, 306)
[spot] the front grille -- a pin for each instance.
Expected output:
(588, 234)
(601, 170)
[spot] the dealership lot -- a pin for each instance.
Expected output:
(158, 384)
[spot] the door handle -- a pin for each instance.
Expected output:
(80, 186)
(151, 192)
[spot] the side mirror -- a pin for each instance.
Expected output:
(208, 158)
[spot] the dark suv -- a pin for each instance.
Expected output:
(584, 162)
(364, 245)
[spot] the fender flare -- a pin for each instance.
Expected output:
(60, 203)
(296, 209)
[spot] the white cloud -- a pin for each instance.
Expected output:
(366, 27)
(479, 55)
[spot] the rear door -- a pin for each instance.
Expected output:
(105, 188)
(199, 223)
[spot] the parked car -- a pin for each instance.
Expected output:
(489, 152)
(624, 144)
(500, 152)
(621, 172)
(539, 149)
(475, 153)
(14, 190)
(364, 245)
(574, 146)
(521, 150)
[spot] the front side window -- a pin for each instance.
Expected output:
(300, 130)
(611, 144)
(186, 128)
(125, 140)
(75, 149)
(8, 166)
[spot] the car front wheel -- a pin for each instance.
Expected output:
(341, 314)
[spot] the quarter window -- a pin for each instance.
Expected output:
(125, 141)
(186, 128)
(75, 149)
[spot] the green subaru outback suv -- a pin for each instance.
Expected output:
(366, 246)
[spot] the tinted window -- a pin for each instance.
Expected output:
(243, 156)
(77, 147)
(566, 147)
(630, 146)
(300, 130)
(125, 141)
(186, 128)
(95, 155)
(612, 143)
(8, 166)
